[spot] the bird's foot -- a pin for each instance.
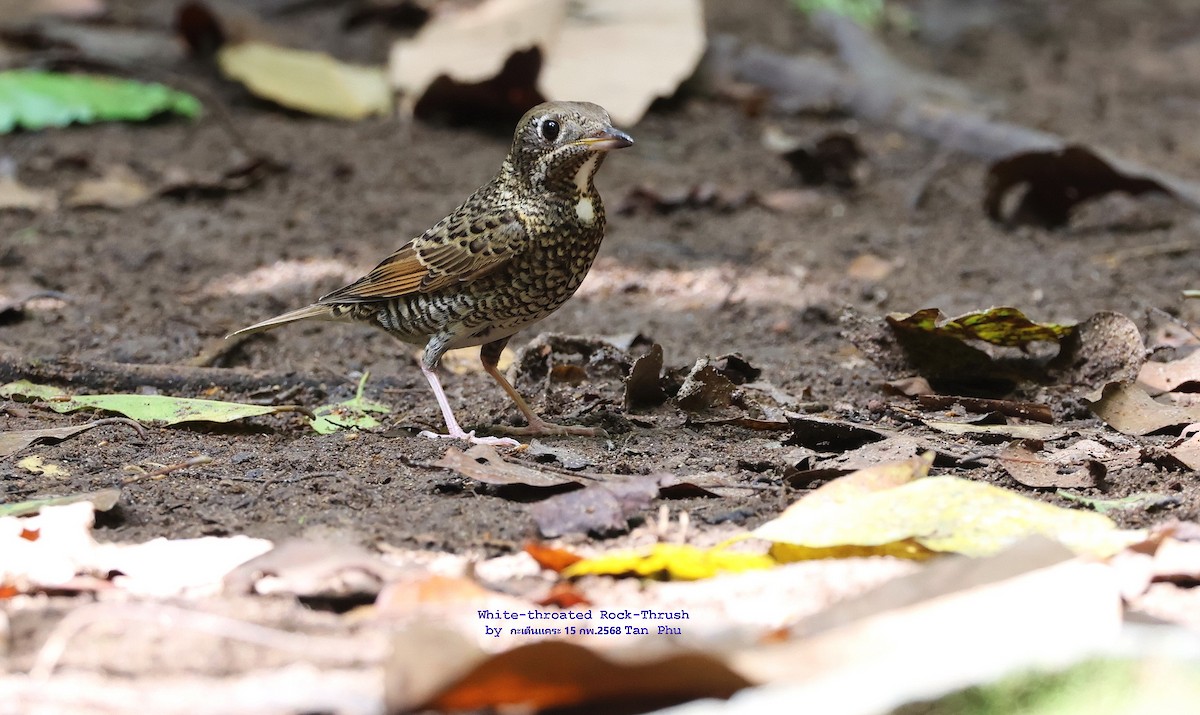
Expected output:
(542, 428)
(470, 437)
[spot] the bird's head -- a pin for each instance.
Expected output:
(559, 145)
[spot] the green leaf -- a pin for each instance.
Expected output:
(102, 500)
(351, 414)
(999, 326)
(868, 13)
(146, 408)
(35, 99)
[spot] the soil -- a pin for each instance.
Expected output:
(155, 284)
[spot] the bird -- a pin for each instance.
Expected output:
(511, 254)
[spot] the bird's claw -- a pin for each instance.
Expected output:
(470, 437)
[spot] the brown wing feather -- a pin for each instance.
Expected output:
(457, 250)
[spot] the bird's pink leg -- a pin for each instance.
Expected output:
(452, 428)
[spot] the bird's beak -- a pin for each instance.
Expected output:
(607, 139)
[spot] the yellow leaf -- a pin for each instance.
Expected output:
(943, 514)
(866, 481)
(678, 562)
(311, 82)
(36, 465)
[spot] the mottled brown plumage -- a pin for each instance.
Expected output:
(510, 255)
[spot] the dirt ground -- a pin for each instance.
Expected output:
(163, 282)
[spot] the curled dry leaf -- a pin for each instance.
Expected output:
(310, 569)
(649, 48)
(15, 196)
(547, 675)
(13, 442)
(1056, 182)
(1107, 347)
(830, 435)
(705, 388)
(118, 188)
(1129, 410)
(643, 386)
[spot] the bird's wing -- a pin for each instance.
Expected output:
(457, 250)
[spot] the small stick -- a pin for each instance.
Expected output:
(164, 471)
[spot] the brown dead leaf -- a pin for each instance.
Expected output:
(563, 594)
(117, 188)
(643, 386)
(705, 388)
(909, 386)
(794, 201)
(545, 675)
(602, 509)
(831, 160)
(311, 569)
(15, 196)
(1056, 182)
(1107, 347)
(483, 463)
(407, 595)
(1129, 410)
(869, 268)
(1187, 451)
(649, 49)
(830, 435)
(1024, 465)
(1182, 375)
(13, 442)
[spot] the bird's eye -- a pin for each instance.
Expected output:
(549, 130)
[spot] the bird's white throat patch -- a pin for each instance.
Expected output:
(584, 174)
(585, 209)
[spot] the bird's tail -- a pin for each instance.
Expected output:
(312, 312)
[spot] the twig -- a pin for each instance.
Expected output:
(101, 375)
(164, 471)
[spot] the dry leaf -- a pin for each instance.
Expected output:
(1187, 451)
(869, 268)
(1159, 377)
(1025, 466)
(118, 188)
(15, 196)
(549, 557)
(648, 49)
(35, 464)
(679, 562)
(311, 82)
(603, 509)
(485, 464)
(1056, 182)
(938, 514)
(436, 669)
(1129, 410)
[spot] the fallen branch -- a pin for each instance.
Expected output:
(119, 377)
(916, 104)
